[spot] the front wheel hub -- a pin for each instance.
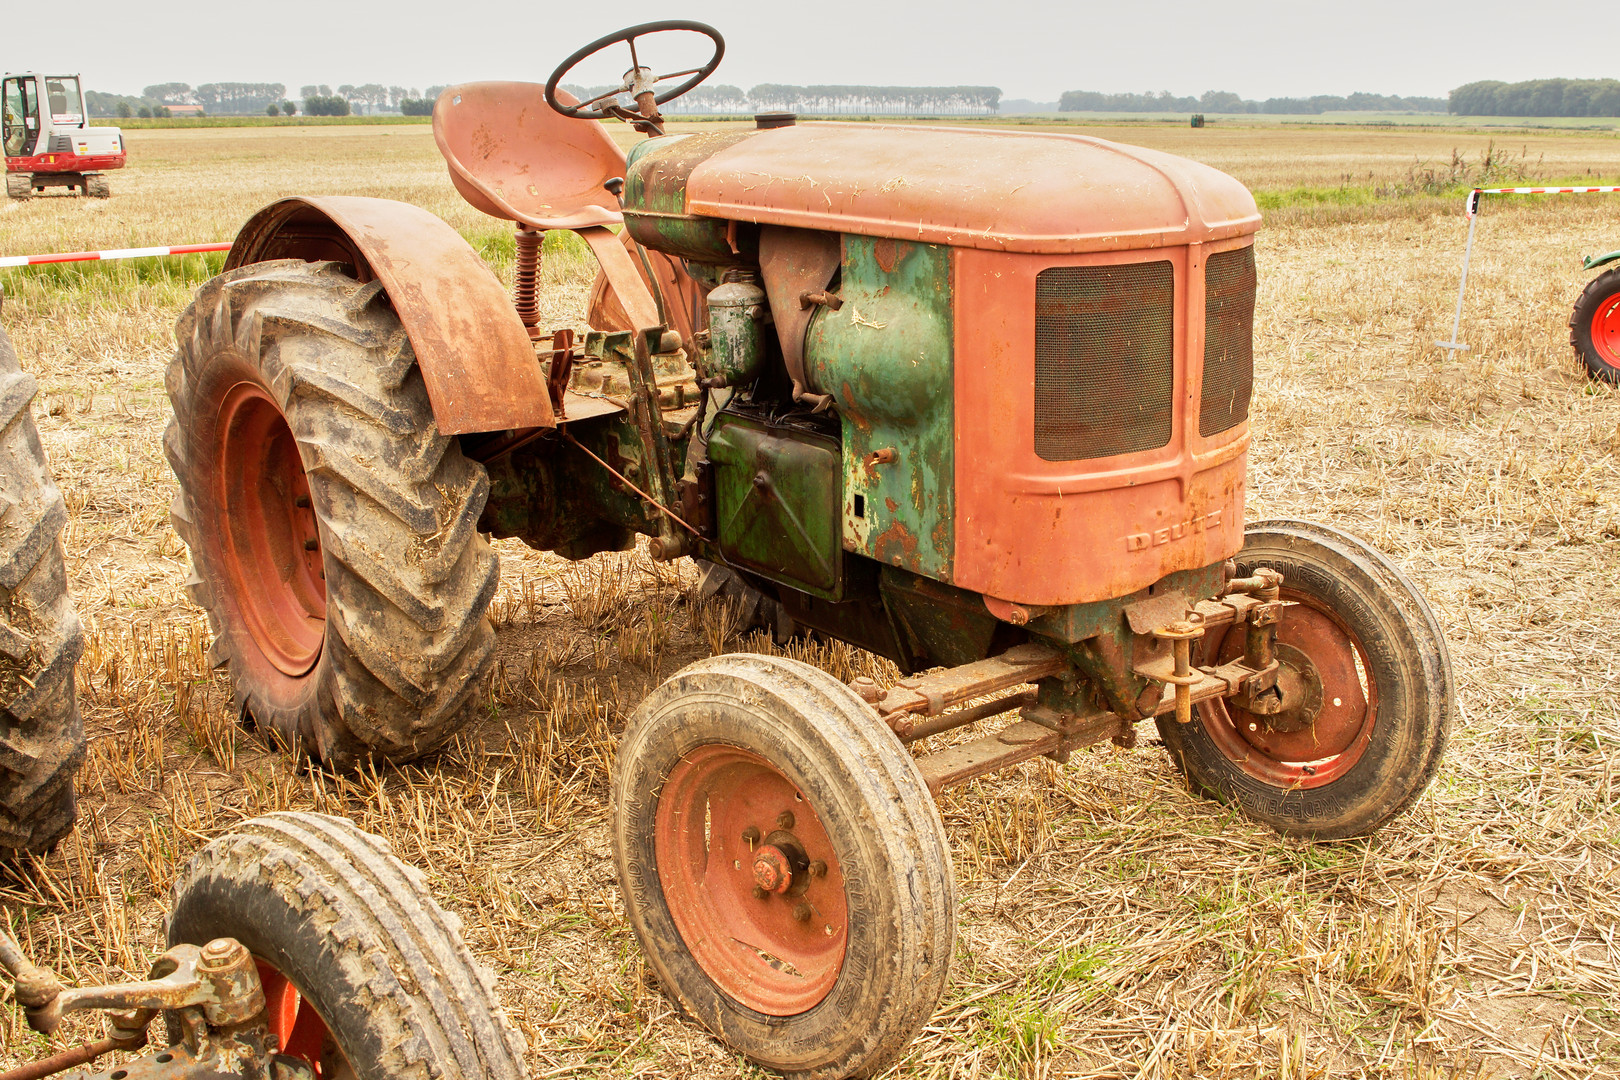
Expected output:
(771, 870)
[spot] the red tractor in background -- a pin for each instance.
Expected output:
(49, 141)
(974, 400)
(1594, 324)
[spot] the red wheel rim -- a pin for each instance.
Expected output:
(720, 808)
(1325, 749)
(299, 1030)
(270, 542)
(1606, 330)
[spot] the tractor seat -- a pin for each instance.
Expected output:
(515, 157)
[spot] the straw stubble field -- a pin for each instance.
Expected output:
(1111, 924)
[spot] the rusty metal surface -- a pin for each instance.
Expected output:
(513, 156)
(997, 190)
(1051, 533)
(1016, 742)
(796, 263)
(472, 348)
(627, 282)
(67, 1059)
(971, 714)
(932, 694)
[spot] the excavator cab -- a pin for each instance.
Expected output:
(21, 115)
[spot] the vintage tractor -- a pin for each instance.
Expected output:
(299, 949)
(1594, 325)
(975, 400)
(49, 141)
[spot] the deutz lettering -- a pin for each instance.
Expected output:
(1142, 541)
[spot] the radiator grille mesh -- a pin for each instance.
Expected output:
(1229, 282)
(1104, 360)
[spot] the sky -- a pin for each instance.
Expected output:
(1030, 50)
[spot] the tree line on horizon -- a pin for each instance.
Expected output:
(1222, 101)
(823, 100)
(1538, 97)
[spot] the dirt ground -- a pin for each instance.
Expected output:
(1111, 923)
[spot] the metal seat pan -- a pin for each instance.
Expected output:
(513, 156)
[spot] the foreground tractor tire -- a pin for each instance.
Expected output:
(1594, 327)
(333, 530)
(783, 864)
(41, 734)
(365, 976)
(1367, 694)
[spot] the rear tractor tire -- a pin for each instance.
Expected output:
(333, 530)
(1594, 327)
(366, 978)
(1367, 694)
(783, 865)
(41, 734)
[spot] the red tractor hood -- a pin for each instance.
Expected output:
(979, 188)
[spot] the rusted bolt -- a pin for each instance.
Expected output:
(886, 456)
(801, 912)
(771, 871)
(759, 893)
(818, 869)
(784, 820)
(219, 952)
(867, 690)
(750, 837)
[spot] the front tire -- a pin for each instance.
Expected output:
(364, 975)
(1371, 688)
(742, 772)
(333, 530)
(1594, 327)
(41, 733)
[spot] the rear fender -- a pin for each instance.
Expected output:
(474, 351)
(1592, 262)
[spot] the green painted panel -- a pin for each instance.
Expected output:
(886, 357)
(776, 503)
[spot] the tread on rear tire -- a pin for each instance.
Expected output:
(360, 939)
(398, 580)
(41, 640)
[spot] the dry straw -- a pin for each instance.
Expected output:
(1111, 924)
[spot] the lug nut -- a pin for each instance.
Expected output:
(784, 820)
(818, 869)
(760, 893)
(801, 912)
(750, 836)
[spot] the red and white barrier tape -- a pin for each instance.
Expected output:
(1472, 205)
(104, 256)
(1471, 209)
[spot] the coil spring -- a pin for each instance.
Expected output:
(524, 278)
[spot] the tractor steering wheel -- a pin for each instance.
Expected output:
(638, 79)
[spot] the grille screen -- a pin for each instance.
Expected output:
(1228, 340)
(1104, 359)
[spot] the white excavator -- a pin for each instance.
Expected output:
(49, 141)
